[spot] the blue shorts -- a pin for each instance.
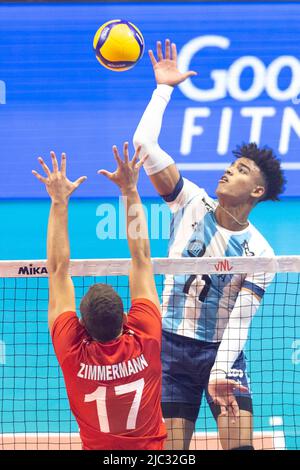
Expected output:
(186, 366)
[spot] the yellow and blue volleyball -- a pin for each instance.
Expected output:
(118, 45)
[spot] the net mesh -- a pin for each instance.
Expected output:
(34, 409)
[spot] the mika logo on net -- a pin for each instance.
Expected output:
(31, 270)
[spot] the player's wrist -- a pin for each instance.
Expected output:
(128, 190)
(59, 201)
(164, 91)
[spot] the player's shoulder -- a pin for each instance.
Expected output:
(142, 310)
(199, 194)
(263, 247)
(144, 318)
(65, 320)
(144, 303)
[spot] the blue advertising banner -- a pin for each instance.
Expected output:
(55, 95)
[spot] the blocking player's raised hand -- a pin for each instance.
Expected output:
(165, 66)
(58, 186)
(127, 172)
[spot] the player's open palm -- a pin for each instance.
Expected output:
(127, 172)
(222, 393)
(165, 68)
(58, 186)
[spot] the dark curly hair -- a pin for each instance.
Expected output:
(268, 164)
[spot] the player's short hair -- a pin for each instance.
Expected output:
(102, 312)
(269, 166)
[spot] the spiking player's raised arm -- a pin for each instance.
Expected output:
(160, 166)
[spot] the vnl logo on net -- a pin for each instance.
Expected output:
(227, 83)
(2, 92)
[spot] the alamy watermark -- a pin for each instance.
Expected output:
(161, 224)
(112, 223)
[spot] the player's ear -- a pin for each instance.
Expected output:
(258, 192)
(124, 318)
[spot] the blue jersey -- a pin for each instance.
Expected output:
(199, 306)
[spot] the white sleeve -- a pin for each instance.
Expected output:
(148, 131)
(258, 282)
(235, 334)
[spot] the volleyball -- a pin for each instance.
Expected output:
(118, 45)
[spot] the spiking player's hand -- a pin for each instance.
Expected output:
(165, 68)
(127, 172)
(58, 186)
(222, 392)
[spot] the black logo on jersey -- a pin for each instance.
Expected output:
(245, 245)
(208, 207)
(196, 249)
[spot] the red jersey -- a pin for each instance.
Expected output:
(114, 388)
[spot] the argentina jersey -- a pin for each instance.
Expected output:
(199, 306)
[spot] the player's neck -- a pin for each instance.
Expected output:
(232, 218)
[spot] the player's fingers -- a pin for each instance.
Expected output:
(235, 409)
(134, 160)
(136, 155)
(39, 177)
(219, 400)
(105, 173)
(174, 51)
(142, 161)
(44, 166)
(125, 152)
(224, 411)
(152, 58)
(240, 387)
(159, 50)
(232, 382)
(190, 73)
(63, 164)
(79, 181)
(116, 155)
(167, 49)
(232, 385)
(54, 162)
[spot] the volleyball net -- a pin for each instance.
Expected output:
(34, 409)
